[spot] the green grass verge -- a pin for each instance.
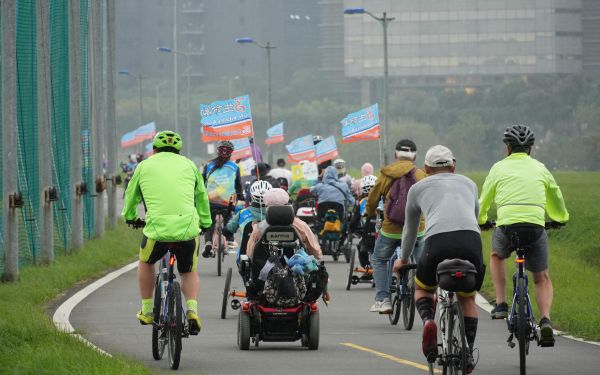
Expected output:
(29, 342)
(574, 262)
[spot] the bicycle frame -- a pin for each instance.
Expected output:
(520, 273)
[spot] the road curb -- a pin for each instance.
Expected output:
(485, 305)
(63, 312)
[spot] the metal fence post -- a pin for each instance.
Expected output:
(97, 116)
(111, 123)
(75, 126)
(9, 139)
(44, 116)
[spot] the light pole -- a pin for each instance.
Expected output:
(267, 47)
(139, 79)
(189, 109)
(384, 20)
(157, 97)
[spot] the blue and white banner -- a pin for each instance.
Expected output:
(300, 149)
(361, 126)
(326, 150)
(275, 134)
(226, 119)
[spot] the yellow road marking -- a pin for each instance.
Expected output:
(388, 356)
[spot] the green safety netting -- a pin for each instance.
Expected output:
(27, 132)
(60, 133)
(1, 153)
(87, 164)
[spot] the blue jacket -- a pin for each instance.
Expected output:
(331, 190)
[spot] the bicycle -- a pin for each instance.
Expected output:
(218, 239)
(402, 293)
(169, 324)
(454, 275)
(521, 320)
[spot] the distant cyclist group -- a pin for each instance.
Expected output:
(426, 216)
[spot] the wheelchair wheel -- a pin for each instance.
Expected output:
(226, 293)
(351, 270)
(244, 331)
(313, 331)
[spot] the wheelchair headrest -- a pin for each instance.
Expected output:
(280, 215)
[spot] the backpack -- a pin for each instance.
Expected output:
(283, 288)
(332, 222)
(396, 202)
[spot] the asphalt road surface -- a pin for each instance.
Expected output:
(353, 340)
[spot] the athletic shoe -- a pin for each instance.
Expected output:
(145, 318)
(471, 363)
(376, 306)
(207, 253)
(500, 311)
(546, 332)
(194, 321)
(386, 307)
(429, 343)
(231, 247)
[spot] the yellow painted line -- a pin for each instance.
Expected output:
(388, 356)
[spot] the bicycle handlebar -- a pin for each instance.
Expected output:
(547, 225)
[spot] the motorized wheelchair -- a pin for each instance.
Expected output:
(260, 320)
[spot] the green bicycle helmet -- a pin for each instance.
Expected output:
(167, 138)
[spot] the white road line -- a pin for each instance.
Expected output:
(62, 314)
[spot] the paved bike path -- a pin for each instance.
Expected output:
(353, 340)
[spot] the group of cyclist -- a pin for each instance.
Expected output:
(441, 217)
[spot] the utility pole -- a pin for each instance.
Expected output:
(9, 140)
(45, 129)
(111, 123)
(384, 22)
(97, 116)
(75, 125)
(175, 67)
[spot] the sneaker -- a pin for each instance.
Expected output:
(231, 247)
(500, 311)
(429, 343)
(145, 318)
(194, 321)
(207, 253)
(386, 307)
(376, 306)
(546, 332)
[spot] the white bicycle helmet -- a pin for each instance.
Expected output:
(367, 183)
(258, 190)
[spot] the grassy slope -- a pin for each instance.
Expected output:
(574, 257)
(30, 344)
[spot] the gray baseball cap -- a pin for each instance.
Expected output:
(439, 156)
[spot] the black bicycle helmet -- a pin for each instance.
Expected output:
(519, 135)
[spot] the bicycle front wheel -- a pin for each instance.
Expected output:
(174, 325)
(408, 300)
(522, 324)
(158, 329)
(220, 246)
(457, 342)
(226, 293)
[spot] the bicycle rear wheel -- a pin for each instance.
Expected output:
(351, 271)
(226, 293)
(219, 250)
(158, 341)
(408, 300)
(175, 325)
(522, 323)
(457, 342)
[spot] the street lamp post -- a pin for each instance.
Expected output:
(188, 94)
(157, 97)
(267, 47)
(384, 20)
(139, 78)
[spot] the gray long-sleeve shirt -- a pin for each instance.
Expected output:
(449, 203)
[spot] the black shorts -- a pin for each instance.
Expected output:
(186, 252)
(462, 244)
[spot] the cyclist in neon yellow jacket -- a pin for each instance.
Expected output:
(177, 209)
(523, 191)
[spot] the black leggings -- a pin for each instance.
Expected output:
(214, 210)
